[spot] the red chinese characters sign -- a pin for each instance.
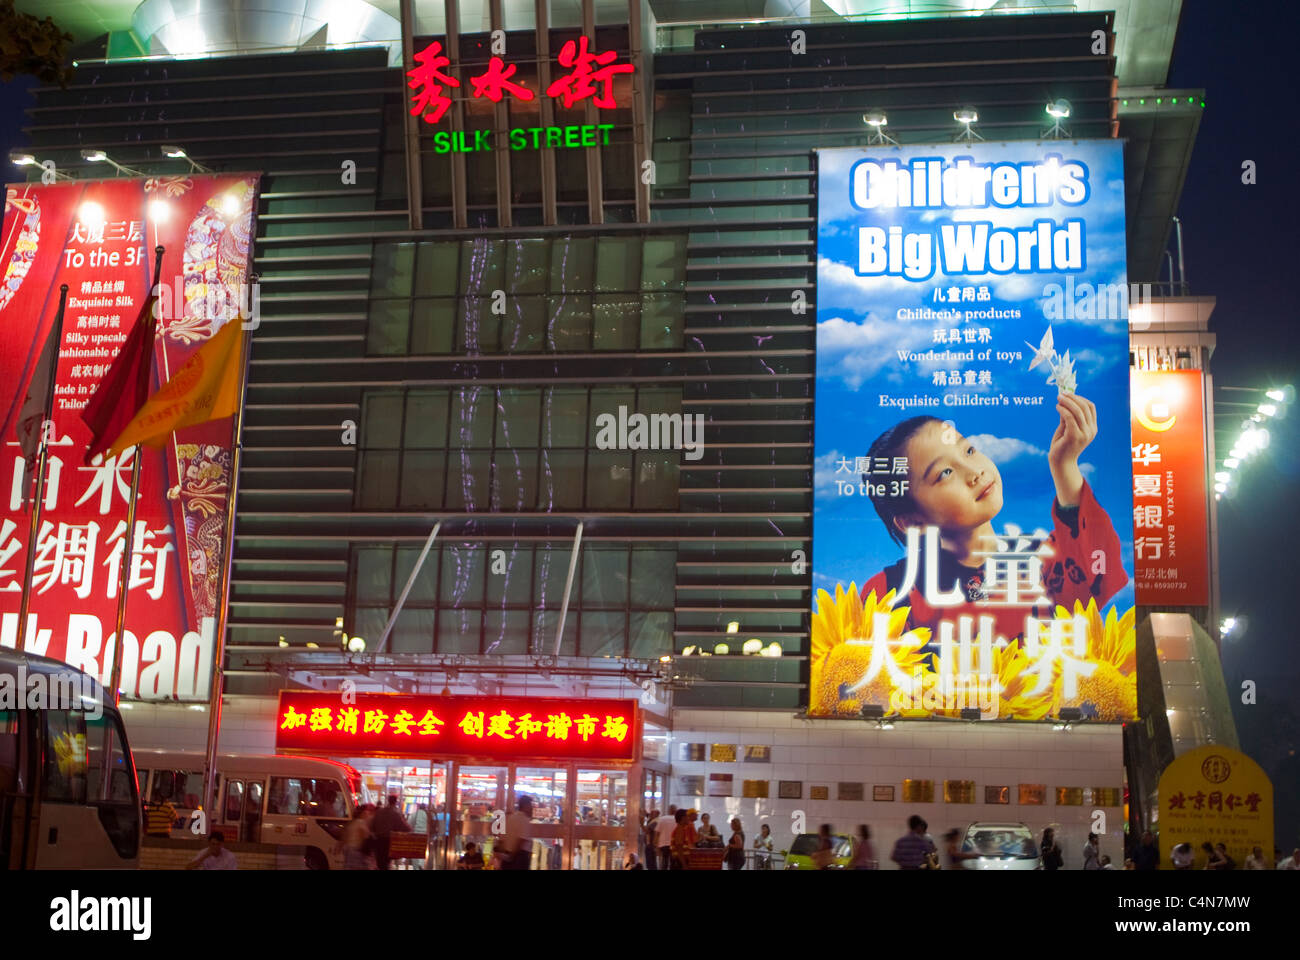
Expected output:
(1170, 509)
(98, 237)
(583, 74)
(398, 725)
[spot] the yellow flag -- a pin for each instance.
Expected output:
(205, 388)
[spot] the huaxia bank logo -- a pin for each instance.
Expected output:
(655, 431)
(49, 691)
(78, 914)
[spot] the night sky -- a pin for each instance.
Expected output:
(1239, 247)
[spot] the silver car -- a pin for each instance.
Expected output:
(1000, 846)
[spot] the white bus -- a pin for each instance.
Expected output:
(52, 746)
(289, 801)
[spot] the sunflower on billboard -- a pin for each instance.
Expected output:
(1108, 693)
(842, 651)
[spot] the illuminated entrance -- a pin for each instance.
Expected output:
(574, 758)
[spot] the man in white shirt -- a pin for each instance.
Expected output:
(1256, 860)
(1292, 862)
(515, 849)
(664, 828)
(216, 856)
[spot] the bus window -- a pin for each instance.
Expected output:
(64, 779)
(8, 752)
(182, 787)
(234, 801)
(164, 783)
(286, 797)
(122, 788)
(253, 810)
(141, 781)
(327, 799)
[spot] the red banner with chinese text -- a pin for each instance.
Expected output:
(400, 725)
(1170, 510)
(98, 237)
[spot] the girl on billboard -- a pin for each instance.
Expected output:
(954, 487)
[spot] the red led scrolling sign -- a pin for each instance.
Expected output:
(400, 725)
(590, 76)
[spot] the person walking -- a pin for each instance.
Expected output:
(736, 846)
(825, 854)
(1213, 859)
(515, 851)
(684, 838)
(708, 833)
(1221, 853)
(1290, 863)
(1181, 856)
(1091, 853)
(763, 848)
(471, 859)
(648, 831)
(953, 851)
(864, 854)
(1146, 857)
(385, 823)
(1256, 860)
(664, 828)
(358, 844)
(912, 851)
(159, 819)
(1051, 851)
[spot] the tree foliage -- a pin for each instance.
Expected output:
(29, 45)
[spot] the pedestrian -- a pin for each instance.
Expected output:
(1222, 854)
(358, 844)
(216, 856)
(648, 840)
(1213, 859)
(664, 828)
(763, 848)
(515, 851)
(912, 851)
(1292, 862)
(1146, 857)
(1051, 851)
(1091, 851)
(1256, 861)
(736, 846)
(683, 840)
(708, 833)
(159, 819)
(471, 859)
(825, 854)
(952, 849)
(1107, 865)
(384, 824)
(864, 854)
(1181, 856)
(632, 863)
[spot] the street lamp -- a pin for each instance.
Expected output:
(877, 120)
(1058, 110)
(966, 116)
(21, 158)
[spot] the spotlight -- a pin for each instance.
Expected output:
(312, 646)
(721, 649)
(1231, 463)
(160, 211)
(284, 642)
(21, 158)
(1221, 476)
(1058, 110)
(966, 116)
(178, 153)
(356, 645)
(1267, 409)
(1277, 395)
(872, 711)
(91, 155)
(230, 205)
(1070, 714)
(877, 121)
(733, 626)
(752, 647)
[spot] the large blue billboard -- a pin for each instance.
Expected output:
(973, 510)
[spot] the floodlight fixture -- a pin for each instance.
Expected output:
(966, 116)
(1058, 110)
(877, 121)
(178, 153)
(21, 158)
(92, 155)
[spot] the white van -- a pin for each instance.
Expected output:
(289, 801)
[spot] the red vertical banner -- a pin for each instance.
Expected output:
(1171, 541)
(98, 237)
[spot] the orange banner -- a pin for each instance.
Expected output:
(1170, 510)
